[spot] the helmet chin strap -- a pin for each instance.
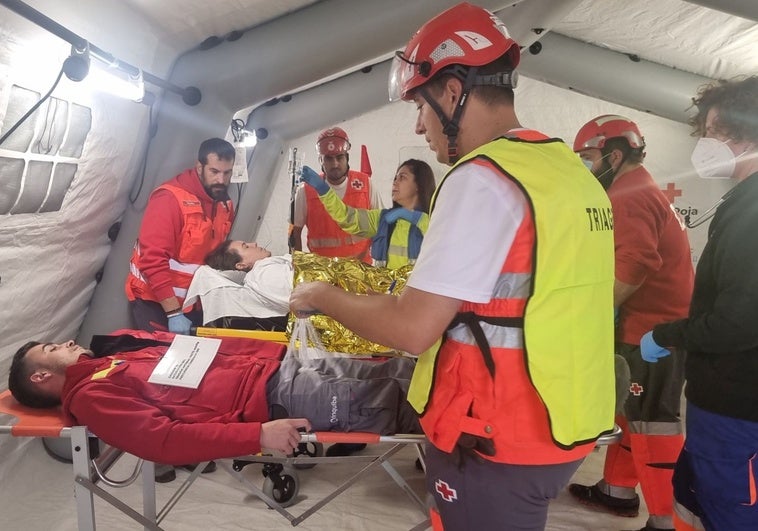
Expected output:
(606, 178)
(450, 126)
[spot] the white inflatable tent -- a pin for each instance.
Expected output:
(85, 162)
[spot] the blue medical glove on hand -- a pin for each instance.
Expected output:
(311, 178)
(411, 216)
(179, 324)
(650, 350)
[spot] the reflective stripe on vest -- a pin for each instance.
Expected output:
(565, 298)
(325, 237)
(188, 269)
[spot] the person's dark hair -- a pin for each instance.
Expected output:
(737, 104)
(631, 155)
(21, 386)
(222, 257)
(218, 146)
(491, 95)
(423, 176)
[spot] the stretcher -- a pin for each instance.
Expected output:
(281, 473)
(280, 486)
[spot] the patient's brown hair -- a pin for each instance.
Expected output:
(223, 258)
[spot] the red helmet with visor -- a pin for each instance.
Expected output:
(463, 35)
(594, 133)
(333, 141)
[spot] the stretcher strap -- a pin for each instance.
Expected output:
(32, 422)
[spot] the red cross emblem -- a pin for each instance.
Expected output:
(636, 389)
(443, 489)
(671, 192)
(357, 184)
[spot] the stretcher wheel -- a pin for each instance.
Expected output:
(282, 487)
(309, 449)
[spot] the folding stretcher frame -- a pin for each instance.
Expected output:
(281, 474)
(280, 486)
(49, 423)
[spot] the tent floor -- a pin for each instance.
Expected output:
(36, 493)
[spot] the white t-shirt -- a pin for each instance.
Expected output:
(271, 279)
(471, 230)
(301, 205)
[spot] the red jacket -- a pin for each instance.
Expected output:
(174, 425)
(164, 237)
(652, 249)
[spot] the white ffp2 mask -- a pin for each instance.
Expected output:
(712, 159)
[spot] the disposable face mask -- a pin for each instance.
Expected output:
(587, 163)
(712, 159)
(605, 173)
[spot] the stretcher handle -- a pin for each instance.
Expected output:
(359, 437)
(340, 437)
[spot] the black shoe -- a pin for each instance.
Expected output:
(343, 449)
(592, 496)
(210, 467)
(164, 473)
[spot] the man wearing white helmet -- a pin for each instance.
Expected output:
(515, 394)
(325, 237)
(653, 283)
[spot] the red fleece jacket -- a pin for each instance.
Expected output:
(175, 425)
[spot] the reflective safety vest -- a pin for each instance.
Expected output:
(325, 237)
(200, 235)
(532, 371)
(398, 244)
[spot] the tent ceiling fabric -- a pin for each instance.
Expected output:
(186, 23)
(669, 32)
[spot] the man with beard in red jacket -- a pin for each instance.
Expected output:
(185, 218)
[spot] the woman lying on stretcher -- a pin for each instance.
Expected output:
(248, 399)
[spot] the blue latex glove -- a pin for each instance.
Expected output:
(179, 324)
(411, 216)
(311, 178)
(650, 350)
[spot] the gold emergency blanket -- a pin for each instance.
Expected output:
(353, 276)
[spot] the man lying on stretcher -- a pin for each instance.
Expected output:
(248, 399)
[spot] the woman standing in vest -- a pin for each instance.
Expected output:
(396, 232)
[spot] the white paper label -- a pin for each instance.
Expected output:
(186, 361)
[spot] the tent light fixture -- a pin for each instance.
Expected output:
(249, 139)
(106, 74)
(77, 64)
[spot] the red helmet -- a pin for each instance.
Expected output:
(333, 141)
(594, 133)
(463, 35)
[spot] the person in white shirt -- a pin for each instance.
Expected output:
(265, 279)
(354, 188)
